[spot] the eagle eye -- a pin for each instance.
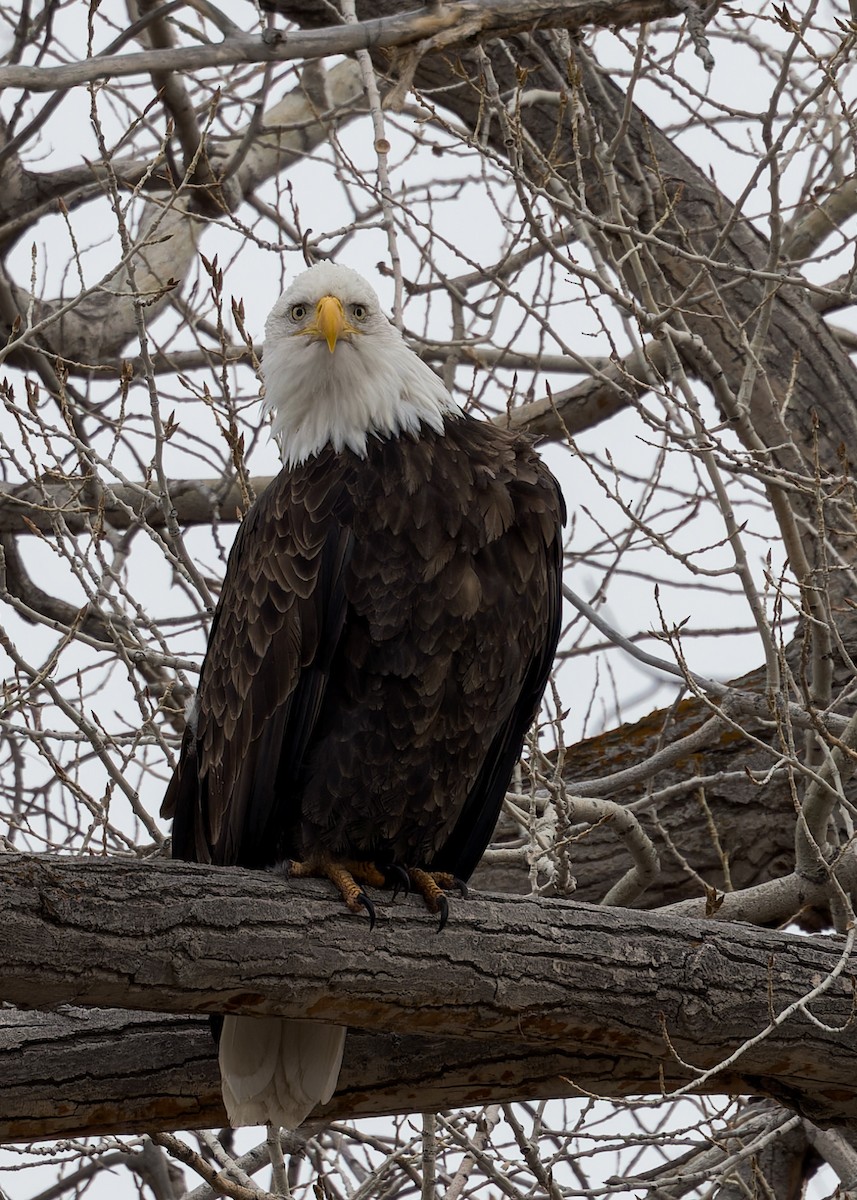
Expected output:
(359, 312)
(297, 312)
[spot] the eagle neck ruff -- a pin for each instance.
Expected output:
(369, 388)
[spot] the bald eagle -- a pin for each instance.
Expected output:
(385, 630)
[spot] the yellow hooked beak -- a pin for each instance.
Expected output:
(330, 321)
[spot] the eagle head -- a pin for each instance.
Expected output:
(337, 371)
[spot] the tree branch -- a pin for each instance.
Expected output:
(83, 1072)
(617, 1001)
(29, 507)
(454, 22)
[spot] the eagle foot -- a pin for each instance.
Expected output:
(431, 885)
(346, 876)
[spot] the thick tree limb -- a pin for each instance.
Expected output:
(30, 507)
(450, 23)
(84, 1072)
(613, 996)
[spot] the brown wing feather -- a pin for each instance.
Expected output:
(265, 673)
(520, 568)
(466, 844)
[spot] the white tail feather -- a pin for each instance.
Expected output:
(275, 1071)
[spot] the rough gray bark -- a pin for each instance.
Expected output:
(83, 1072)
(550, 985)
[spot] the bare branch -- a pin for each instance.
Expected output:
(448, 23)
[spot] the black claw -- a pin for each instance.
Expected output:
(363, 899)
(462, 887)
(443, 908)
(398, 879)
